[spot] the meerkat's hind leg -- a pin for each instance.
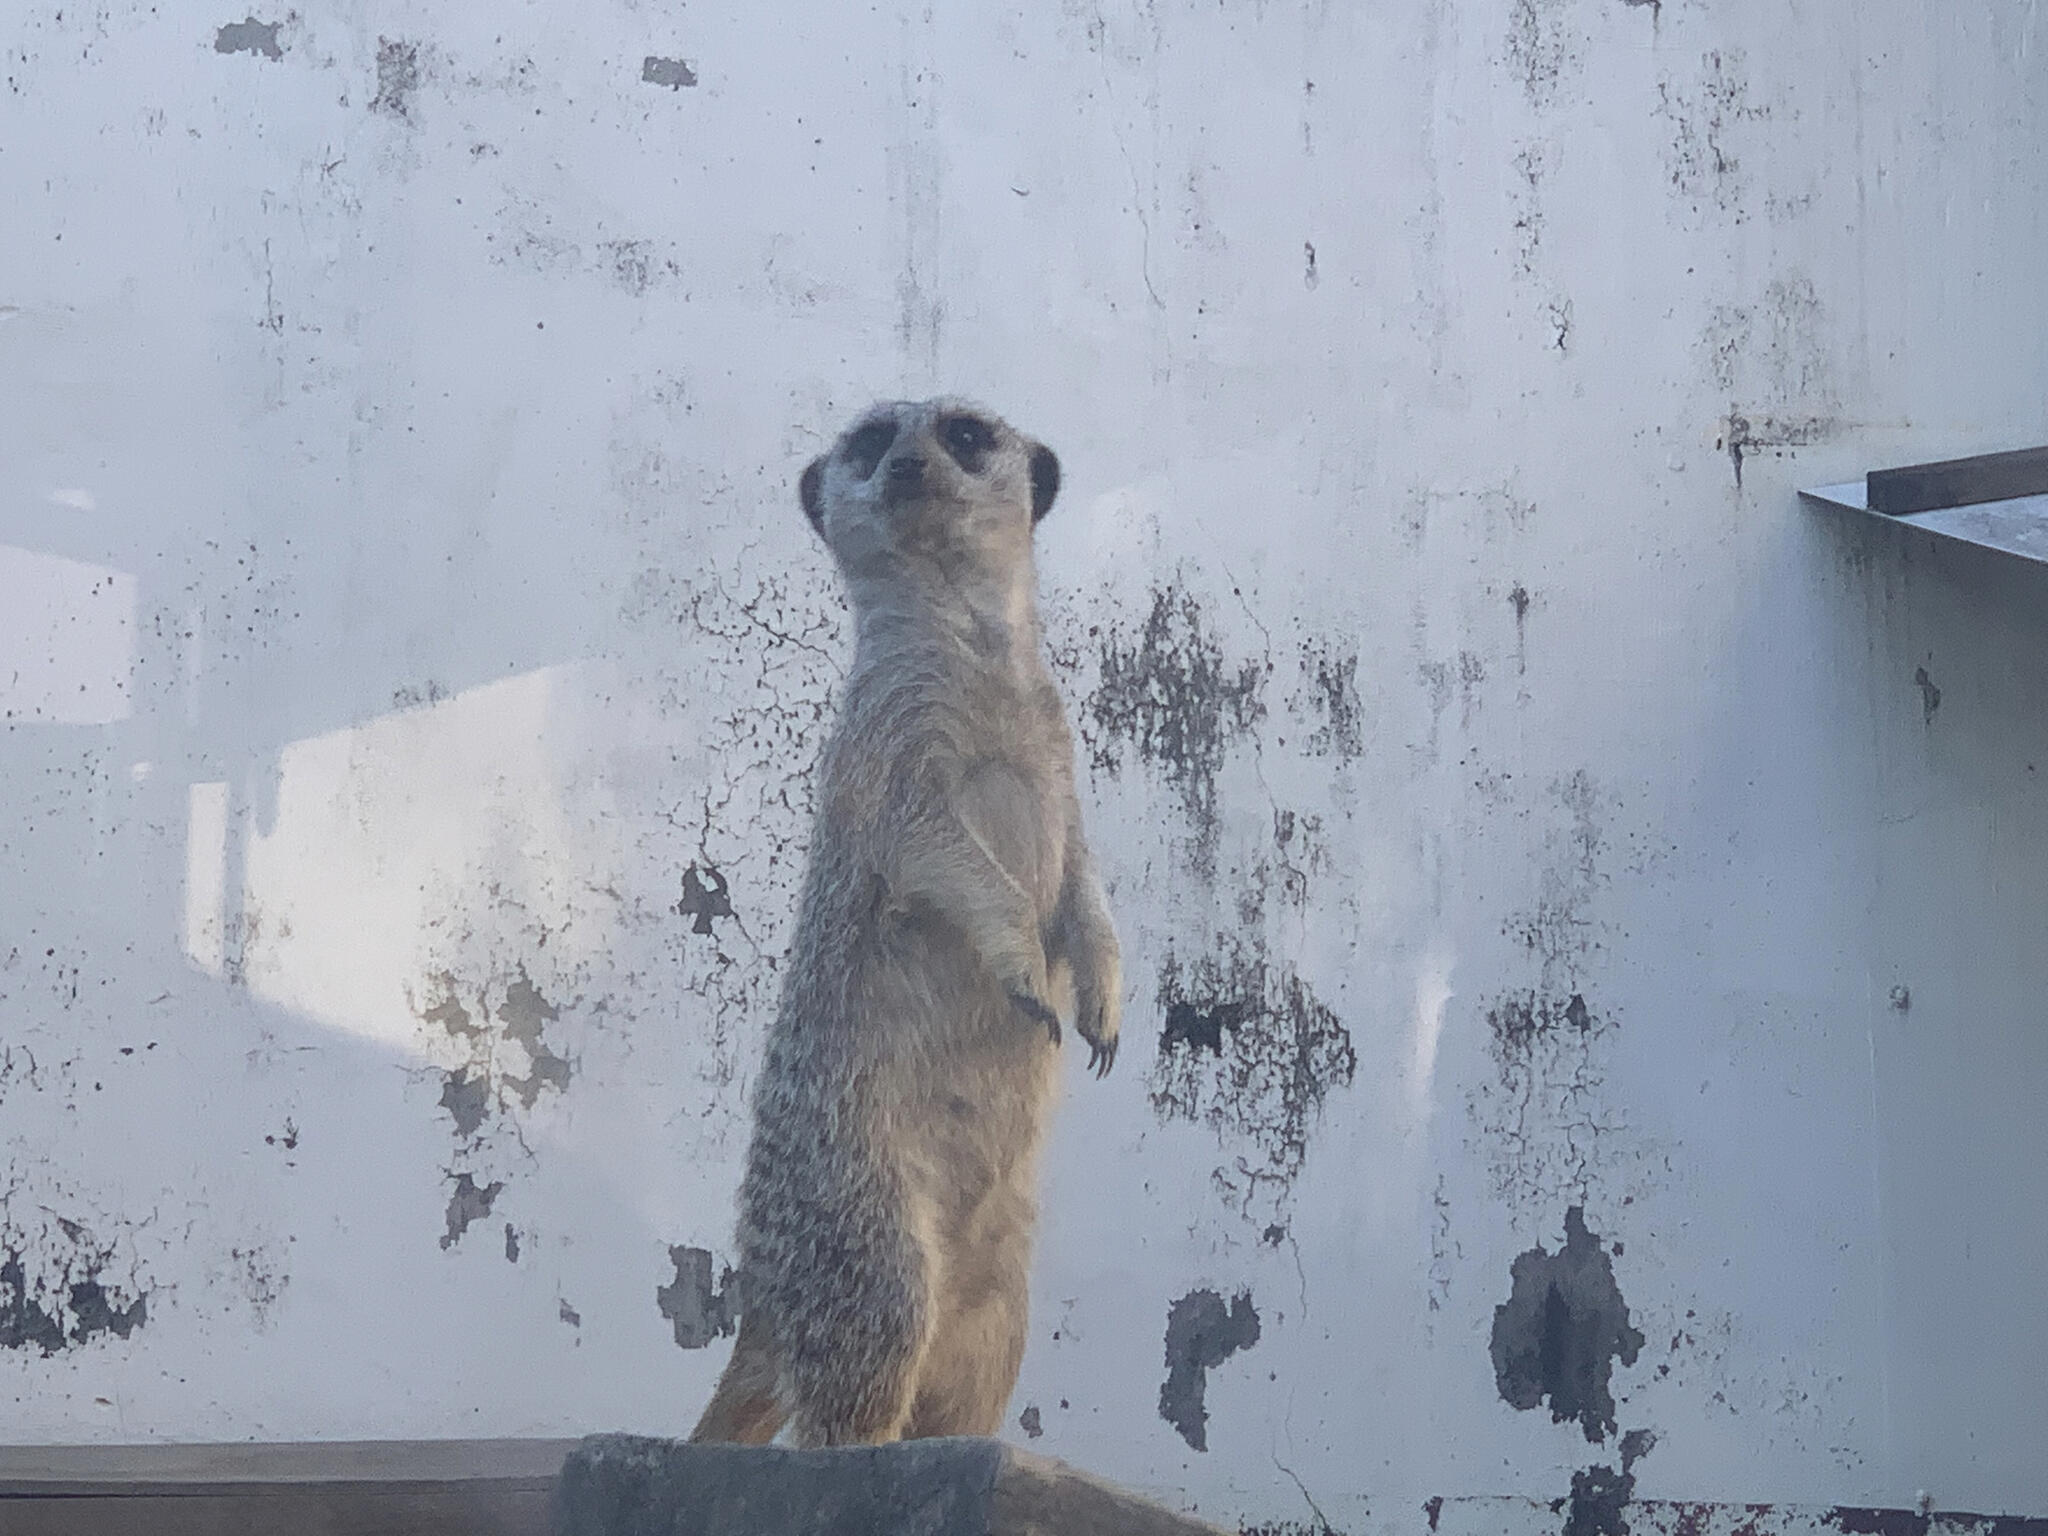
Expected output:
(971, 1369)
(744, 1409)
(850, 1375)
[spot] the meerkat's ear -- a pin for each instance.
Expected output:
(1045, 480)
(811, 491)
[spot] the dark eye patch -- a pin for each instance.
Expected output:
(865, 448)
(968, 439)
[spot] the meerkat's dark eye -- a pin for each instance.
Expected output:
(968, 439)
(865, 448)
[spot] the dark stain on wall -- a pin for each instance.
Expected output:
(1330, 697)
(1561, 1329)
(34, 1316)
(673, 73)
(398, 78)
(1299, 851)
(1170, 697)
(1248, 1049)
(700, 1314)
(1745, 434)
(1542, 51)
(1028, 1421)
(1930, 696)
(1201, 1332)
(467, 1204)
(1516, 1019)
(251, 36)
(705, 897)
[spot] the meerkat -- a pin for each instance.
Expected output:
(950, 915)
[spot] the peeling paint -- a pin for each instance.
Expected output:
(699, 1313)
(705, 897)
(1169, 696)
(1561, 1329)
(1028, 1421)
(482, 1085)
(1201, 1333)
(250, 36)
(673, 73)
(1701, 160)
(467, 1100)
(468, 1203)
(1598, 1500)
(1542, 50)
(1247, 1048)
(259, 1274)
(1330, 697)
(636, 265)
(57, 1292)
(525, 1013)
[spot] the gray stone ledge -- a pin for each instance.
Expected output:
(630, 1485)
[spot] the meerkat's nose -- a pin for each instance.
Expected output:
(906, 469)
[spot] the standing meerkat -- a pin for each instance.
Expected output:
(950, 915)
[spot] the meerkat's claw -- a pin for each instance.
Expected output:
(1102, 1057)
(1032, 1008)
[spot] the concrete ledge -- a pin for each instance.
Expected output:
(628, 1485)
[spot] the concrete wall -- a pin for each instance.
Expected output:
(1552, 863)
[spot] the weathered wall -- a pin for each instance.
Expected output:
(1570, 892)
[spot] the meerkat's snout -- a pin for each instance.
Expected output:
(906, 472)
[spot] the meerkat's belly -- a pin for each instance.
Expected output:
(1007, 807)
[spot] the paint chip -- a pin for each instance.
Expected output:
(71, 1300)
(468, 1204)
(700, 1314)
(704, 897)
(524, 1013)
(1201, 1333)
(467, 1098)
(673, 73)
(250, 36)
(1561, 1329)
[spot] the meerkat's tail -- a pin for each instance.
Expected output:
(744, 1409)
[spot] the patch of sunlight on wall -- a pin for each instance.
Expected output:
(67, 638)
(409, 832)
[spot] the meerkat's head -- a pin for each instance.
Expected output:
(938, 484)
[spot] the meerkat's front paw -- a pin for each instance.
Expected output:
(1097, 1019)
(1038, 1012)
